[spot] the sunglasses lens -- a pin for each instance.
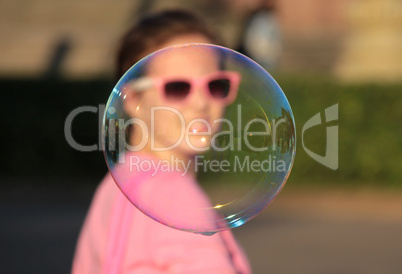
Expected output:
(219, 88)
(177, 90)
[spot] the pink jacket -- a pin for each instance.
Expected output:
(118, 238)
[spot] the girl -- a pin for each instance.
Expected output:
(116, 236)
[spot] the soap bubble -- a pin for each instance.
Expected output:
(199, 137)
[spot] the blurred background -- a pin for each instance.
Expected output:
(56, 56)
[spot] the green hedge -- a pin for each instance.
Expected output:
(370, 129)
(33, 116)
(370, 132)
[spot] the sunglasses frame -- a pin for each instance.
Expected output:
(143, 83)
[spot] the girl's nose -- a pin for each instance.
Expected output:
(200, 100)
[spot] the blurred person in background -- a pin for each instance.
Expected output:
(261, 39)
(116, 237)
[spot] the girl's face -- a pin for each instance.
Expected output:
(182, 128)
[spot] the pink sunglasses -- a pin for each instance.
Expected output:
(220, 86)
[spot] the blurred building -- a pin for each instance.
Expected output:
(372, 49)
(77, 39)
(32, 33)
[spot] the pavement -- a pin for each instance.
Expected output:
(303, 231)
(326, 231)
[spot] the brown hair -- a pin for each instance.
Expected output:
(153, 30)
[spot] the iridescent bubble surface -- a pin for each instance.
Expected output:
(199, 137)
